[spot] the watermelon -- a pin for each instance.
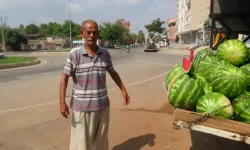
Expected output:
(233, 51)
(177, 70)
(214, 66)
(187, 63)
(246, 70)
(199, 56)
(184, 91)
(203, 65)
(205, 85)
(209, 66)
(212, 101)
(228, 80)
(242, 108)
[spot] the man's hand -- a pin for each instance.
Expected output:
(126, 98)
(64, 109)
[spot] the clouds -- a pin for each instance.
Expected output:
(74, 7)
(133, 2)
(139, 12)
(43, 19)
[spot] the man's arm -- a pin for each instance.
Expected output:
(115, 76)
(64, 109)
(67, 72)
(63, 87)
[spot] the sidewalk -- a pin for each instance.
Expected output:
(180, 51)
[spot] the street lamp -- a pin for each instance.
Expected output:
(70, 26)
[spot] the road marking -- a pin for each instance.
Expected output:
(49, 103)
(43, 62)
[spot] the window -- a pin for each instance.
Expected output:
(188, 5)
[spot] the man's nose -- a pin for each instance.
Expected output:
(91, 34)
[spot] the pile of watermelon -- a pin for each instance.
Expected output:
(212, 80)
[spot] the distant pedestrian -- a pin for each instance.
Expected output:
(90, 104)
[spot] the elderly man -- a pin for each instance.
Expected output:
(87, 65)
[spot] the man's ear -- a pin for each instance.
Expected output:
(81, 33)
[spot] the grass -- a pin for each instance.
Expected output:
(10, 60)
(61, 50)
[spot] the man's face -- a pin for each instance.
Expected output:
(90, 33)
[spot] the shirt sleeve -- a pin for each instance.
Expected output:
(69, 65)
(110, 66)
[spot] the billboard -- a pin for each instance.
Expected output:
(124, 23)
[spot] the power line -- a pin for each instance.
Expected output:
(3, 20)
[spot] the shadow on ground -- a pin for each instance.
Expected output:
(166, 108)
(137, 143)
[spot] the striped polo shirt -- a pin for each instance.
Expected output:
(89, 91)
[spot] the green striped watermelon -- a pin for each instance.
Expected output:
(199, 56)
(246, 70)
(228, 80)
(215, 66)
(177, 70)
(205, 85)
(203, 65)
(233, 51)
(249, 54)
(184, 91)
(213, 101)
(209, 66)
(242, 108)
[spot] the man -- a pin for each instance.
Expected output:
(89, 101)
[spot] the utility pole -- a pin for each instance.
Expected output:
(2, 20)
(70, 25)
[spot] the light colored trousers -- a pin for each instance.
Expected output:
(89, 130)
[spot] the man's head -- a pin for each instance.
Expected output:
(90, 32)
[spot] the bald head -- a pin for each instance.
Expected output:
(89, 21)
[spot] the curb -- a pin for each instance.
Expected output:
(50, 52)
(17, 65)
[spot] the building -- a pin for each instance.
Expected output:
(56, 42)
(35, 42)
(191, 14)
(172, 29)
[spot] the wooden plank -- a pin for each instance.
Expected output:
(221, 124)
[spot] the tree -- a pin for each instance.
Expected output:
(134, 37)
(31, 29)
(55, 29)
(155, 26)
(21, 28)
(14, 38)
(75, 29)
(140, 36)
(112, 32)
(43, 30)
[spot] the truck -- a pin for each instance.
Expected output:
(152, 40)
(230, 18)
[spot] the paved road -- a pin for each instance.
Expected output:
(54, 62)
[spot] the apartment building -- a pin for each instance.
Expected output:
(191, 15)
(172, 29)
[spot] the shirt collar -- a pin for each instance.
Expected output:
(84, 51)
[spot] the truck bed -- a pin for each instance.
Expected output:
(229, 129)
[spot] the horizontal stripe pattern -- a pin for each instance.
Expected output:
(89, 85)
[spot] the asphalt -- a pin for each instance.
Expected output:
(54, 62)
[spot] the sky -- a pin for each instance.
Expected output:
(138, 12)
